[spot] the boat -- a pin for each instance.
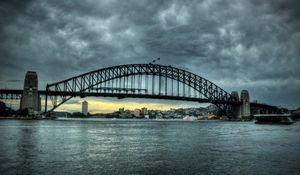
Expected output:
(284, 119)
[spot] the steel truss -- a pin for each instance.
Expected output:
(6, 94)
(141, 80)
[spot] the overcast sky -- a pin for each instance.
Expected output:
(237, 44)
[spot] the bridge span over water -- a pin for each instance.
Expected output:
(137, 81)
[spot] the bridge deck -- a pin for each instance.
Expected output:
(118, 95)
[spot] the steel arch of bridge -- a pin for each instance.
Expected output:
(87, 85)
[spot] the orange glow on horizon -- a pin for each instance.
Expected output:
(104, 106)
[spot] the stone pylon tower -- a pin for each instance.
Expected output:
(245, 106)
(236, 109)
(30, 99)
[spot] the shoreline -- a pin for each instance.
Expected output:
(114, 119)
(22, 118)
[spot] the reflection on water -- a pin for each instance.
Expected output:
(140, 147)
(26, 147)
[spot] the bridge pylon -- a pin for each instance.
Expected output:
(236, 109)
(30, 99)
(242, 109)
(245, 103)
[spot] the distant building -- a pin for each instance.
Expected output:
(211, 117)
(137, 113)
(121, 110)
(144, 111)
(85, 108)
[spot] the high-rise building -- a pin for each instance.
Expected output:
(85, 108)
(30, 99)
(144, 111)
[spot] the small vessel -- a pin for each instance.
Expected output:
(273, 119)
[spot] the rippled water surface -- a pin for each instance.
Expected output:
(148, 147)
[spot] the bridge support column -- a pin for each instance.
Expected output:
(236, 109)
(30, 99)
(245, 106)
(46, 99)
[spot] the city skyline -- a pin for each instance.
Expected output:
(242, 45)
(108, 105)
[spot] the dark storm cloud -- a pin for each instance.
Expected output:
(236, 44)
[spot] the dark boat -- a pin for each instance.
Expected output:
(273, 119)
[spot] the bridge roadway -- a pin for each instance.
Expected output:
(19, 92)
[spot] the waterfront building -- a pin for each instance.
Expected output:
(144, 111)
(85, 108)
(137, 113)
(211, 116)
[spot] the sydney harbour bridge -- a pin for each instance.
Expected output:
(135, 81)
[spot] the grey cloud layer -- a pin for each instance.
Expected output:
(236, 44)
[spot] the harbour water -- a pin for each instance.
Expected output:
(148, 147)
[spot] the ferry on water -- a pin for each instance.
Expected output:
(273, 119)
